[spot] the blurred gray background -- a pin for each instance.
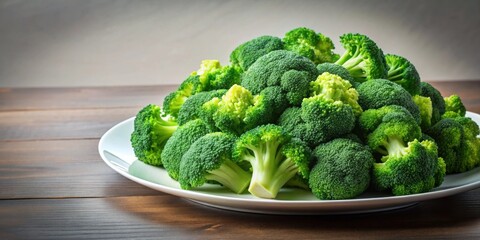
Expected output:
(106, 42)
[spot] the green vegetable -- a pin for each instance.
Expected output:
(274, 158)
(327, 114)
(179, 143)
(210, 76)
(337, 70)
(150, 133)
(362, 57)
(238, 110)
(247, 53)
(380, 92)
(342, 169)
(438, 103)
(453, 103)
(458, 143)
(314, 46)
(210, 159)
(191, 108)
(424, 104)
(287, 70)
(402, 72)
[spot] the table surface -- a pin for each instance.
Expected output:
(54, 185)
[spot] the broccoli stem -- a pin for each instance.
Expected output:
(270, 170)
(395, 146)
(230, 175)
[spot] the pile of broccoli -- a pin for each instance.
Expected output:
(290, 112)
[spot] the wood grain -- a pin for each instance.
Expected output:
(60, 169)
(81, 97)
(167, 217)
(61, 124)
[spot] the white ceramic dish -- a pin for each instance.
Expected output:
(114, 148)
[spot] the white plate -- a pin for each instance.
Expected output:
(115, 150)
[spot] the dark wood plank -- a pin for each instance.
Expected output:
(469, 91)
(81, 97)
(61, 124)
(60, 169)
(168, 217)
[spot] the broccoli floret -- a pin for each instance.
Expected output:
(342, 170)
(191, 107)
(274, 158)
(151, 130)
(329, 112)
(210, 159)
(247, 53)
(458, 143)
(424, 104)
(409, 169)
(179, 143)
(286, 69)
(314, 46)
(438, 103)
(337, 70)
(333, 87)
(362, 57)
(388, 128)
(406, 165)
(238, 110)
(453, 103)
(377, 93)
(210, 76)
(403, 72)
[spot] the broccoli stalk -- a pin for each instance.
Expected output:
(362, 58)
(210, 159)
(275, 158)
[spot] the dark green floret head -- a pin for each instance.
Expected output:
(282, 68)
(150, 134)
(377, 93)
(209, 159)
(179, 143)
(337, 70)
(247, 53)
(342, 170)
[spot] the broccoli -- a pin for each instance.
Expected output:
(288, 70)
(329, 112)
(342, 169)
(314, 46)
(381, 92)
(388, 128)
(403, 72)
(438, 103)
(424, 104)
(362, 57)
(331, 86)
(453, 103)
(179, 143)
(458, 143)
(151, 130)
(337, 70)
(238, 110)
(406, 165)
(247, 53)
(274, 157)
(210, 76)
(191, 107)
(210, 159)
(410, 169)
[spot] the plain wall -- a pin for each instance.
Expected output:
(106, 42)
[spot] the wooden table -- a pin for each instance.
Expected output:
(54, 185)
